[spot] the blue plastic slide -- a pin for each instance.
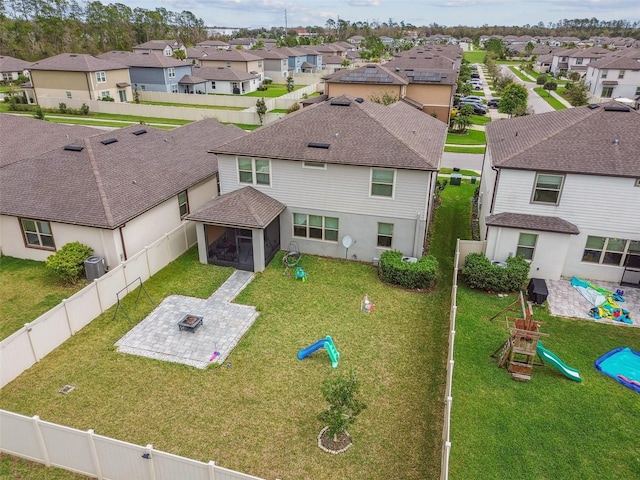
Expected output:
(326, 343)
(562, 367)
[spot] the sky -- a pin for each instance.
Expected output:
(271, 13)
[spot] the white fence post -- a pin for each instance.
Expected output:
(43, 446)
(212, 470)
(149, 456)
(27, 328)
(66, 316)
(444, 470)
(94, 453)
(95, 285)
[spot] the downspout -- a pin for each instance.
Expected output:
(124, 247)
(86, 75)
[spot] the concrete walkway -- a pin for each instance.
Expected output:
(223, 326)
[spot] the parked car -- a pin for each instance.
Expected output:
(475, 75)
(478, 108)
(473, 98)
(493, 103)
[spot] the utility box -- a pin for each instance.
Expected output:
(456, 179)
(94, 268)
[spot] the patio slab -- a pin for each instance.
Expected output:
(223, 325)
(565, 301)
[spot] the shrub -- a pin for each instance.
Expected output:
(39, 114)
(341, 393)
(62, 107)
(294, 107)
(480, 273)
(68, 262)
(84, 109)
(267, 81)
(542, 79)
(421, 274)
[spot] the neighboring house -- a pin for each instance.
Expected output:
(563, 190)
(241, 43)
(576, 59)
(296, 57)
(334, 62)
(165, 48)
(369, 81)
(151, 72)
(344, 167)
(116, 191)
(217, 44)
(236, 59)
(616, 75)
(276, 64)
(79, 76)
(224, 80)
(11, 68)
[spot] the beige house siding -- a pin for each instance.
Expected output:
(251, 66)
(82, 85)
(363, 91)
(434, 98)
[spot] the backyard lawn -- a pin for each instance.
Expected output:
(550, 427)
(258, 415)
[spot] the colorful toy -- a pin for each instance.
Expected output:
(365, 305)
(301, 274)
(327, 344)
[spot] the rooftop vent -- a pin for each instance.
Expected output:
(108, 141)
(616, 108)
(318, 145)
(74, 148)
(593, 106)
(340, 102)
(359, 100)
(139, 132)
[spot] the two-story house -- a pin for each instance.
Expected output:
(151, 72)
(237, 59)
(165, 48)
(337, 170)
(116, 191)
(11, 68)
(616, 75)
(81, 76)
(223, 80)
(276, 63)
(562, 189)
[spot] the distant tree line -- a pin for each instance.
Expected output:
(35, 29)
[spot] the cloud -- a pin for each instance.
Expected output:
(363, 3)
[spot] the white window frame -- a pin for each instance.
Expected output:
(257, 175)
(33, 238)
(325, 229)
(213, 85)
(168, 52)
(372, 183)
(607, 91)
(523, 247)
(69, 95)
(547, 189)
(105, 94)
(621, 74)
(174, 88)
(101, 77)
(384, 235)
(605, 72)
(602, 255)
(183, 203)
(171, 72)
(314, 165)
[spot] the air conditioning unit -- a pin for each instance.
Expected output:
(94, 268)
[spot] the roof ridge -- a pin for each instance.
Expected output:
(243, 192)
(101, 190)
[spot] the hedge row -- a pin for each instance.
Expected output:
(480, 273)
(421, 274)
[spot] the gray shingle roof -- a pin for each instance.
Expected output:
(19, 140)
(108, 185)
(245, 208)
(369, 74)
(76, 62)
(358, 133)
(11, 64)
(593, 141)
(232, 55)
(144, 59)
(538, 223)
(223, 74)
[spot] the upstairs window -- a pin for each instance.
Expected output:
(621, 74)
(37, 234)
(605, 73)
(101, 77)
(183, 203)
(254, 171)
(382, 182)
(547, 188)
(172, 72)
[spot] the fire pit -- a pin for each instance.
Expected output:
(190, 322)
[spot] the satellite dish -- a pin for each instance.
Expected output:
(347, 241)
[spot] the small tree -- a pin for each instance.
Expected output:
(39, 114)
(68, 262)
(542, 79)
(62, 107)
(577, 93)
(290, 84)
(573, 76)
(513, 99)
(550, 86)
(84, 109)
(261, 109)
(341, 393)
(179, 54)
(385, 97)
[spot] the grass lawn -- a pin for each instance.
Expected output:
(546, 96)
(273, 90)
(476, 150)
(468, 173)
(27, 290)
(192, 105)
(476, 56)
(520, 75)
(259, 415)
(480, 119)
(472, 137)
(549, 427)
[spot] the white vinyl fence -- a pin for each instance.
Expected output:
(36, 339)
(100, 457)
(463, 248)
